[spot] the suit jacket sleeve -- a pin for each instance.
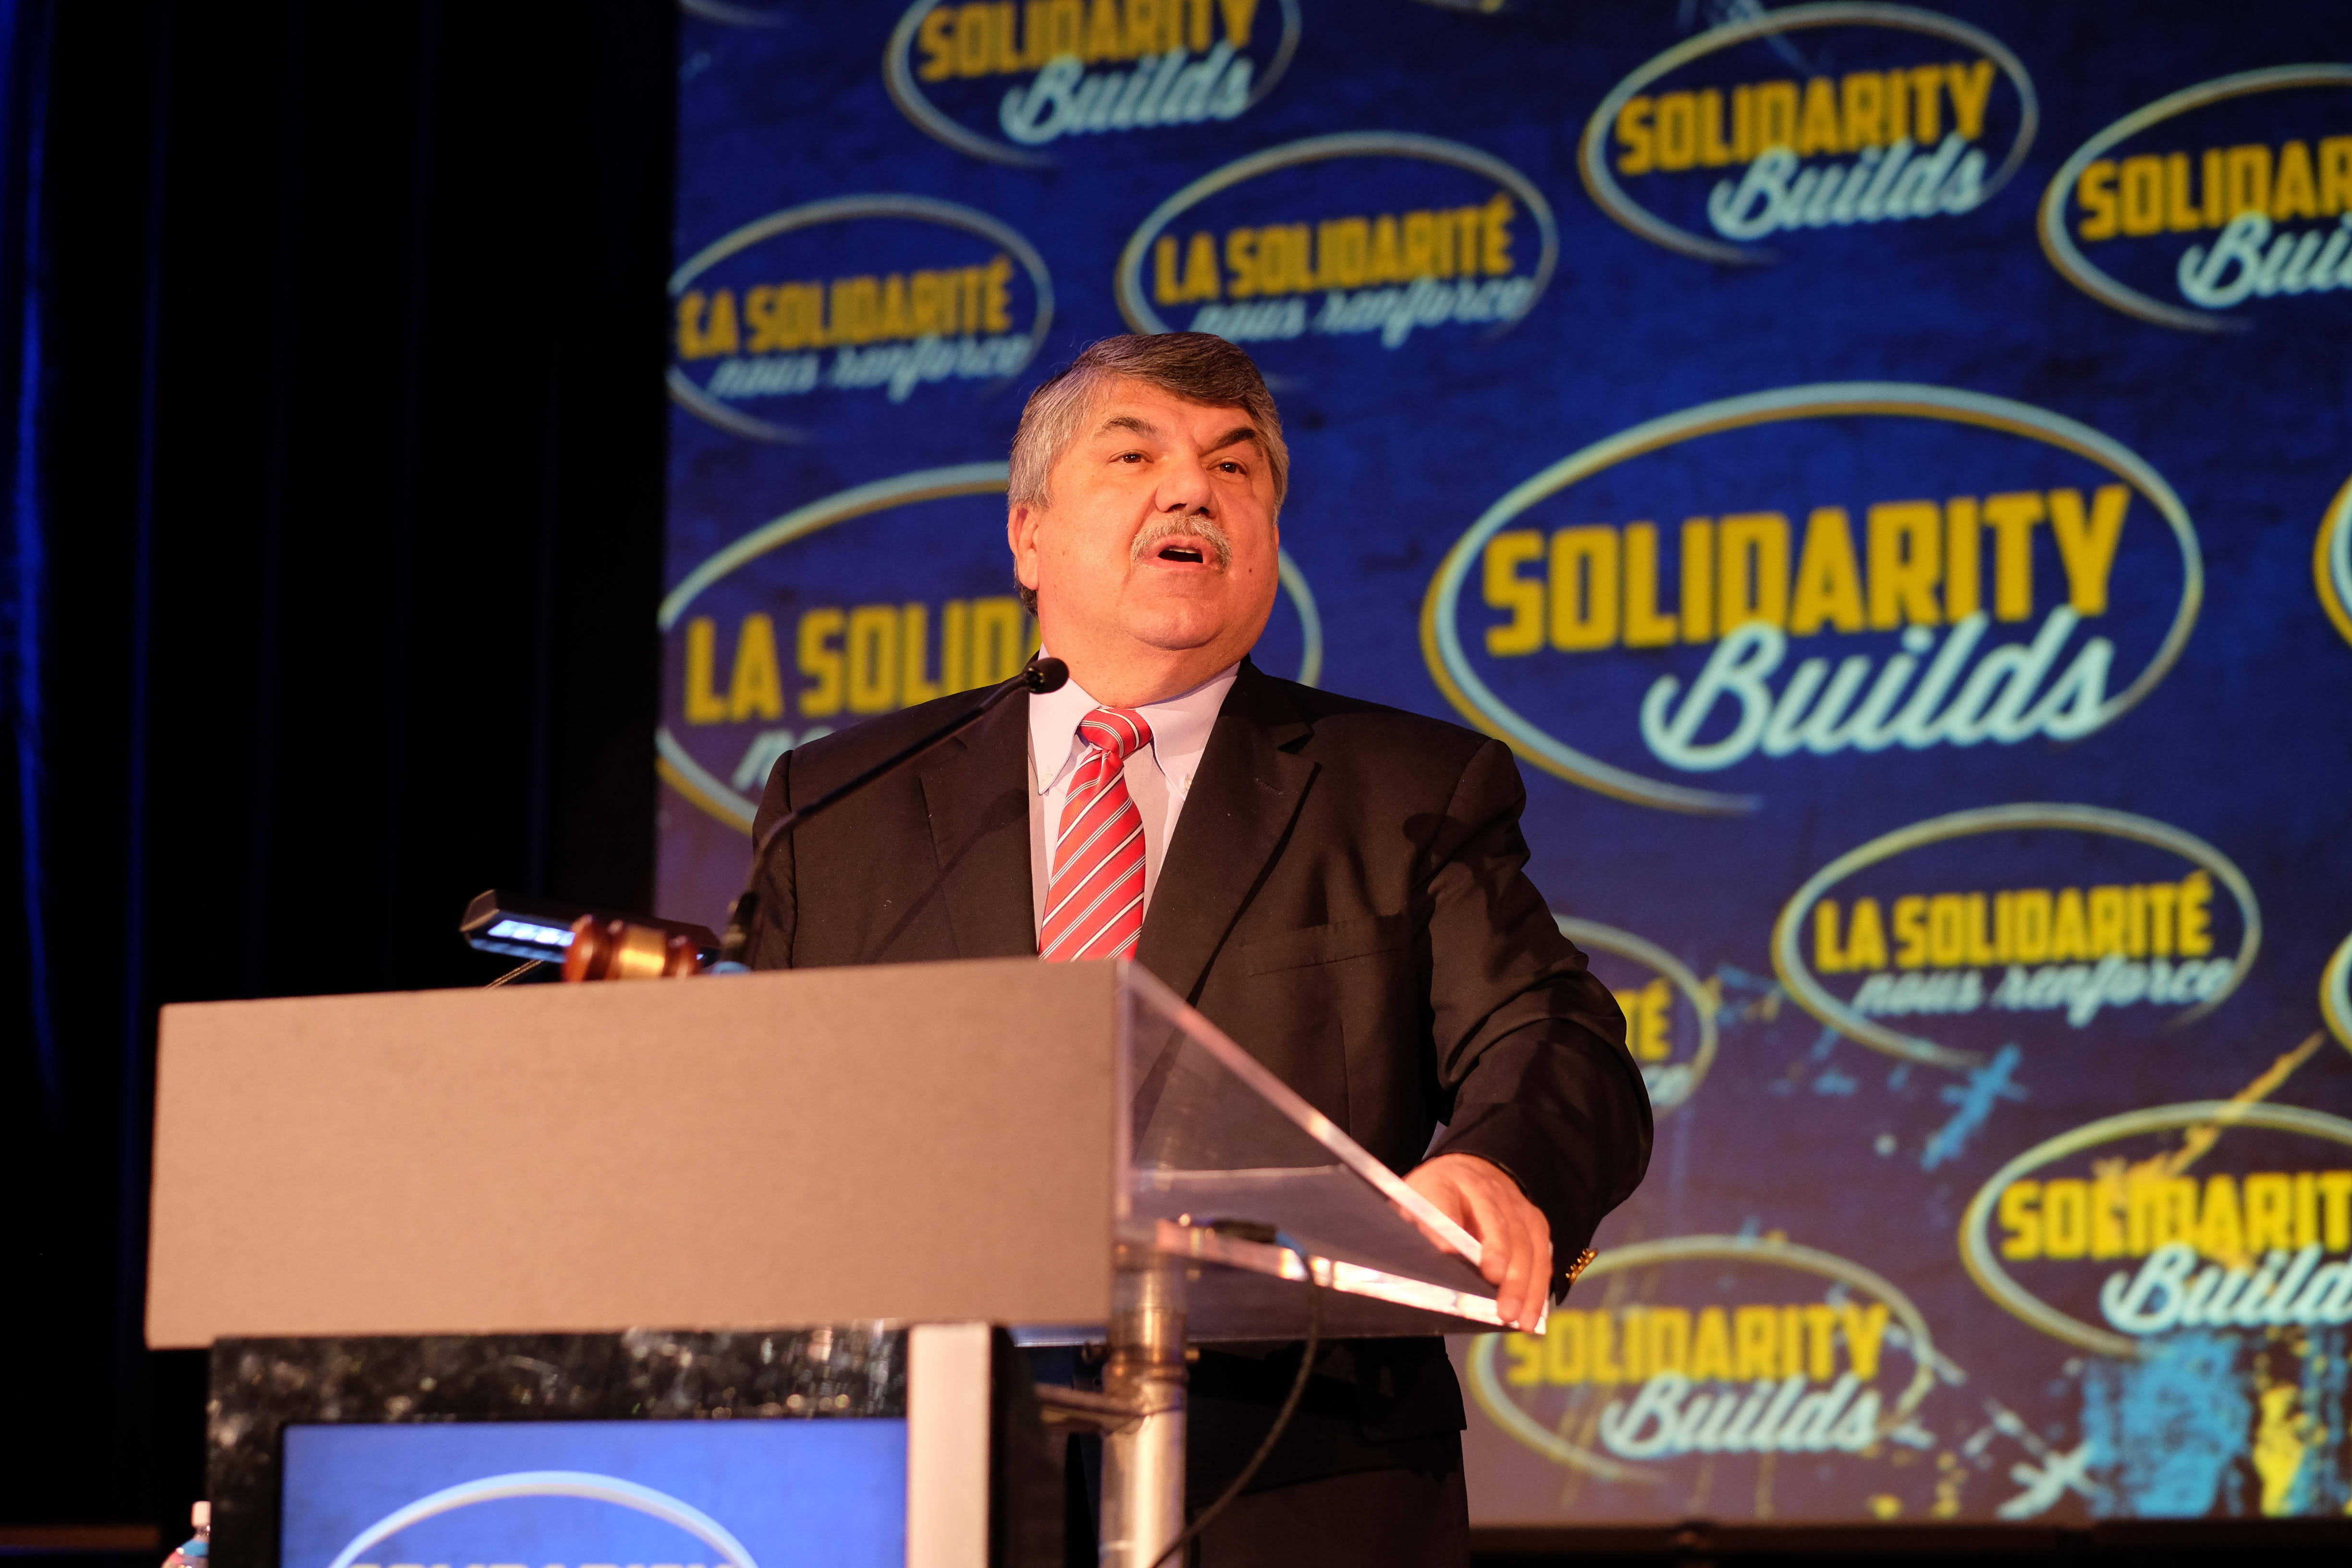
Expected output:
(771, 946)
(1530, 1047)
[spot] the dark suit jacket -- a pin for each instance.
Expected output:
(1343, 896)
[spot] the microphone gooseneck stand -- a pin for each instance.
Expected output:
(1038, 676)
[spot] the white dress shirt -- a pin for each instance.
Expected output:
(1158, 776)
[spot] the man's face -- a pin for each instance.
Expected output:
(1161, 548)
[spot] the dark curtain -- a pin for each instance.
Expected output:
(334, 339)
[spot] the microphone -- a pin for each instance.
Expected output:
(1038, 676)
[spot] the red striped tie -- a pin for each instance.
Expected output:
(1094, 900)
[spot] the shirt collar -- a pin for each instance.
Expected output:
(1179, 724)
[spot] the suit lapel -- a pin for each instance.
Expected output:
(979, 832)
(1240, 805)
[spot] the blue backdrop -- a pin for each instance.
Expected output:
(1884, 471)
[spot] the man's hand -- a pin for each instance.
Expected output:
(1512, 1234)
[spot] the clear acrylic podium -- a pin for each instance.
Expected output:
(1237, 1196)
(1065, 1149)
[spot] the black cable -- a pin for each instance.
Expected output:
(1207, 1516)
(1040, 675)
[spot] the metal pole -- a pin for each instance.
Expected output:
(1143, 1459)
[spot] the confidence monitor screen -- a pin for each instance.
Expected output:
(597, 1494)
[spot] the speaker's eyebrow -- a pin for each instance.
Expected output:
(1146, 429)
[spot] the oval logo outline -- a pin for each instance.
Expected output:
(2331, 560)
(1470, 697)
(1593, 935)
(1486, 1389)
(677, 767)
(1610, 198)
(729, 16)
(1807, 991)
(2336, 993)
(838, 209)
(584, 1484)
(1977, 1254)
(907, 94)
(2059, 245)
(1128, 279)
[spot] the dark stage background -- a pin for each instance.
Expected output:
(331, 600)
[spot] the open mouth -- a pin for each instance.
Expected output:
(1185, 541)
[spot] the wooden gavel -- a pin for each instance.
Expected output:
(621, 950)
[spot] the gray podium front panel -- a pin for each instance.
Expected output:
(919, 1143)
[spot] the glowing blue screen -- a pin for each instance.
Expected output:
(596, 1494)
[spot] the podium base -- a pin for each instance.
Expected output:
(1143, 1457)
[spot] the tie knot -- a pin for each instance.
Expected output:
(1121, 731)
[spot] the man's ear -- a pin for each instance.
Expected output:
(1021, 524)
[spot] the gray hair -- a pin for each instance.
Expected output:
(1199, 368)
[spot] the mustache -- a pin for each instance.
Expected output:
(1153, 534)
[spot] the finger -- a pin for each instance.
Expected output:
(1514, 1240)
(1427, 1229)
(1532, 1257)
(1488, 1222)
(1532, 1265)
(1522, 1246)
(1446, 1198)
(1539, 1275)
(1515, 1298)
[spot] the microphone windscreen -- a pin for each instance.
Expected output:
(1048, 675)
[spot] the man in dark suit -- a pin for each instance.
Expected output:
(1336, 885)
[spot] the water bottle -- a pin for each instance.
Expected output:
(196, 1550)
